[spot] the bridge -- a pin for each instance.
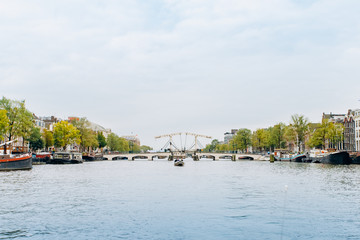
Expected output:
(169, 156)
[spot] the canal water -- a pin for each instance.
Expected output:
(202, 200)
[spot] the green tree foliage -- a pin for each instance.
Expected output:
(336, 134)
(277, 136)
(300, 127)
(26, 124)
(242, 139)
(116, 143)
(112, 142)
(35, 140)
(328, 133)
(48, 139)
(222, 148)
(212, 146)
(101, 140)
(20, 119)
(65, 134)
(145, 148)
(4, 123)
(87, 136)
(260, 139)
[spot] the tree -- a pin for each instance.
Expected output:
(277, 136)
(35, 140)
(65, 134)
(101, 140)
(20, 120)
(26, 124)
(335, 134)
(212, 146)
(4, 123)
(326, 134)
(300, 126)
(145, 148)
(87, 136)
(222, 148)
(242, 139)
(112, 142)
(260, 139)
(48, 138)
(116, 143)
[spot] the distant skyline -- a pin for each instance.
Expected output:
(155, 67)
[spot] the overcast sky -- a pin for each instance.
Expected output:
(154, 67)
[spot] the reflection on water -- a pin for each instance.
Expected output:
(203, 200)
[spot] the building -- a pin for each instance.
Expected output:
(228, 136)
(39, 122)
(49, 122)
(132, 139)
(356, 117)
(335, 118)
(97, 128)
(349, 131)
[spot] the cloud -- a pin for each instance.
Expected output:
(160, 65)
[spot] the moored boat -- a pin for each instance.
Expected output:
(15, 162)
(333, 158)
(291, 158)
(179, 162)
(42, 158)
(355, 158)
(66, 158)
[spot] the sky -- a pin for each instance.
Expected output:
(156, 67)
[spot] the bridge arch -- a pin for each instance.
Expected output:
(208, 156)
(120, 158)
(139, 157)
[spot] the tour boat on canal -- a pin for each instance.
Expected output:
(9, 162)
(66, 158)
(179, 162)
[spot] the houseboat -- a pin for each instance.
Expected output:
(66, 158)
(333, 158)
(9, 162)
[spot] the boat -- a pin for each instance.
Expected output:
(291, 158)
(333, 158)
(66, 158)
(10, 162)
(355, 158)
(42, 158)
(179, 162)
(89, 157)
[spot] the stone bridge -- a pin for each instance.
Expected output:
(167, 156)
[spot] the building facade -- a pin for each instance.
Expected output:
(356, 117)
(349, 131)
(229, 135)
